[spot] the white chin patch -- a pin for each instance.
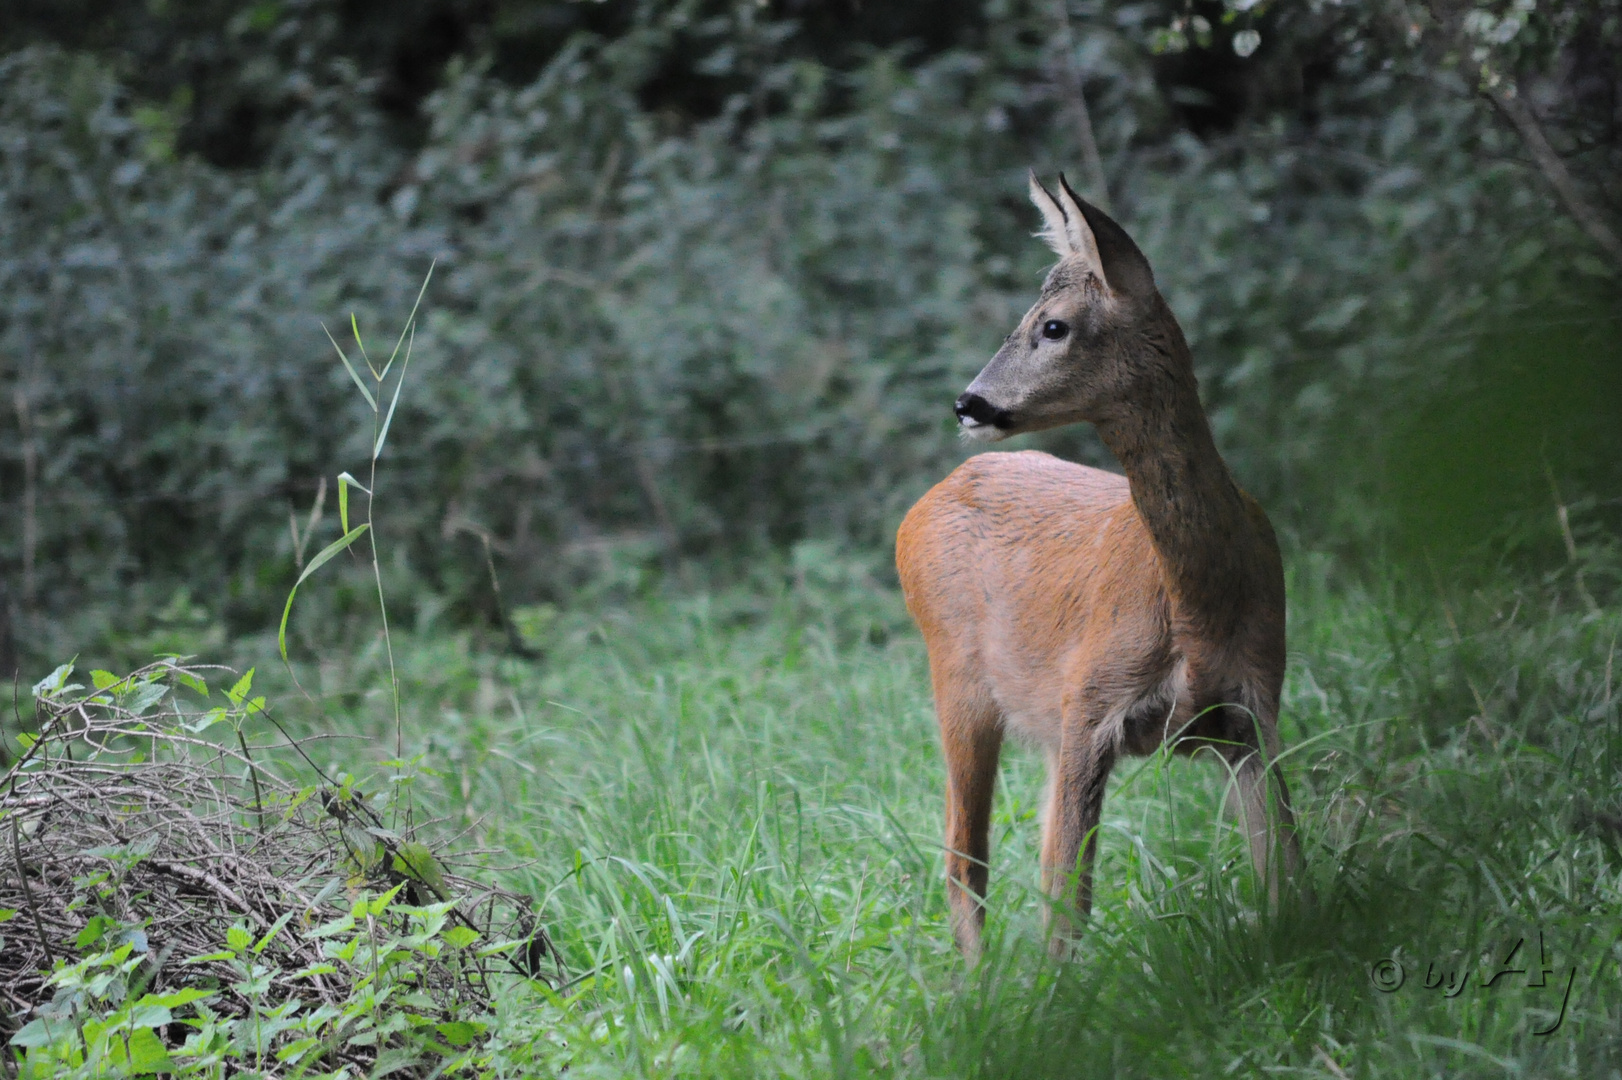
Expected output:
(974, 431)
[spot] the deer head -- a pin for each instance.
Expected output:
(1097, 332)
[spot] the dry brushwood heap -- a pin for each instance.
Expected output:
(144, 814)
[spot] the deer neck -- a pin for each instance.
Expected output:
(1195, 513)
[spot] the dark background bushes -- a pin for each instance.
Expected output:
(710, 274)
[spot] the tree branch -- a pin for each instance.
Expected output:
(1074, 81)
(1554, 170)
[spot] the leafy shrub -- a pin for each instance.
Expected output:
(654, 340)
(187, 903)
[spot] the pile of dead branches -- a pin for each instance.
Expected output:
(164, 809)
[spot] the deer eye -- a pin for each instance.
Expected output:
(1053, 329)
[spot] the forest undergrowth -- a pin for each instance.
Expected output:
(729, 805)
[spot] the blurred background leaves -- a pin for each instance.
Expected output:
(711, 274)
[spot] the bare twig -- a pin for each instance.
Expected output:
(219, 888)
(28, 892)
(1074, 84)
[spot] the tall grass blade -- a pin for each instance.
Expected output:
(411, 320)
(353, 374)
(345, 482)
(399, 384)
(316, 563)
(354, 326)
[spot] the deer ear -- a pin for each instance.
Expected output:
(1054, 232)
(1080, 231)
(1065, 226)
(1119, 262)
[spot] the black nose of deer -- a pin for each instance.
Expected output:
(974, 411)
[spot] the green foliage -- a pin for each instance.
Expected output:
(196, 905)
(101, 1021)
(665, 337)
(732, 803)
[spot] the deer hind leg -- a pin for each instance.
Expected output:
(1264, 805)
(971, 737)
(1076, 778)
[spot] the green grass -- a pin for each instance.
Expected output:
(732, 807)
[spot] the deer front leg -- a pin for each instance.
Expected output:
(972, 741)
(1076, 778)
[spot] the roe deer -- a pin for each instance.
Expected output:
(1093, 614)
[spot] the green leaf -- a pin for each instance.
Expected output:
(26, 741)
(315, 969)
(364, 848)
(36, 1034)
(149, 1016)
(147, 1052)
(184, 996)
(459, 1032)
(315, 564)
(240, 690)
(336, 926)
(93, 931)
(207, 958)
(146, 696)
(101, 680)
(204, 722)
(345, 482)
(238, 938)
(415, 861)
(460, 937)
(399, 384)
(353, 374)
(54, 682)
(410, 325)
(186, 678)
(297, 1048)
(270, 935)
(381, 904)
(354, 326)
(392, 1061)
(7, 914)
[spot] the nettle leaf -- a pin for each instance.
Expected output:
(93, 931)
(145, 696)
(184, 996)
(185, 678)
(238, 938)
(147, 1054)
(365, 849)
(414, 860)
(41, 1032)
(101, 680)
(381, 904)
(149, 1016)
(206, 721)
(55, 683)
(459, 1032)
(460, 937)
(240, 690)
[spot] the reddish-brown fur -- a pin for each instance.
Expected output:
(1095, 615)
